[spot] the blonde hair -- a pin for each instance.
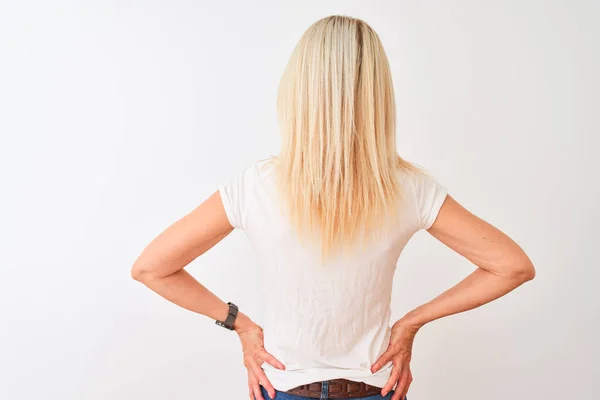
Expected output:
(337, 170)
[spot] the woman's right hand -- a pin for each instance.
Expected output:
(254, 355)
(399, 352)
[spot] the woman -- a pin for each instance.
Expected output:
(329, 217)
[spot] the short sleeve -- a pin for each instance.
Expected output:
(430, 195)
(236, 195)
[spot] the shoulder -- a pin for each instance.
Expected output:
(242, 189)
(257, 174)
(263, 169)
(417, 179)
(425, 191)
(254, 173)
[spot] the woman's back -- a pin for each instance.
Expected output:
(329, 217)
(325, 319)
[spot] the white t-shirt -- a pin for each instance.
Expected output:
(324, 321)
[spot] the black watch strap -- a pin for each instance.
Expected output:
(228, 323)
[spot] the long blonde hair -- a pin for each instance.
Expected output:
(337, 170)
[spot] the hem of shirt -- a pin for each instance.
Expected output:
(286, 380)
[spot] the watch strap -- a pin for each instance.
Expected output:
(231, 316)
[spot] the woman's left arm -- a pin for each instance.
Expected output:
(161, 264)
(502, 267)
(161, 268)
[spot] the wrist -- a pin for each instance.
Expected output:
(243, 323)
(411, 321)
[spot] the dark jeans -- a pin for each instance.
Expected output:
(286, 396)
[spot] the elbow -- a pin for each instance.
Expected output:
(146, 272)
(139, 272)
(524, 270)
(529, 273)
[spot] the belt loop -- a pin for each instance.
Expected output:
(324, 390)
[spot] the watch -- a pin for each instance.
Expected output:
(228, 323)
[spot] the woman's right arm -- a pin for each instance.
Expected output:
(502, 267)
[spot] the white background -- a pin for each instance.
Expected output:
(118, 117)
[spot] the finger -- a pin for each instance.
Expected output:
(262, 378)
(268, 358)
(410, 379)
(400, 391)
(393, 379)
(382, 360)
(255, 392)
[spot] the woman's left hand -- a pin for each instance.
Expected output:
(254, 356)
(399, 352)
